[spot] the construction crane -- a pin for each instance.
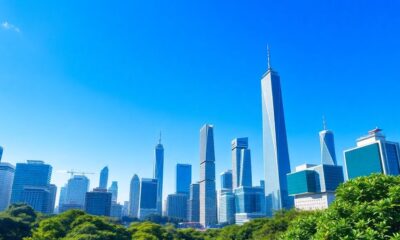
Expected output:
(73, 172)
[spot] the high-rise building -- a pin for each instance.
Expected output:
(327, 140)
(159, 173)
(113, 189)
(275, 146)
(238, 144)
(148, 197)
(373, 154)
(125, 209)
(177, 205)
(250, 204)
(98, 202)
(183, 178)
(227, 207)
(314, 186)
(7, 171)
(245, 169)
(77, 188)
(194, 203)
(226, 180)
(63, 196)
(134, 196)
(103, 178)
(208, 196)
(116, 210)
(52, 198)
(31, 185)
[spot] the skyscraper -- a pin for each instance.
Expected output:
(238, 144)
(245, 169)
(183, 178)
(31, 185)
(250, 204)
(63, 197)
(134, 196)
(328, 155)
(114, 191)
(158, 173)
(226, 180)
(6, 180)
(208, 196)
(148, 197)
(177, 205)
(227, 207)
(1, 152)
(194, 203)
(275, 146)
(373, 154)
(77, 187)
(103, 178)
(98, 202)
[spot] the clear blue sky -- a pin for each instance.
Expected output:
(84, 84)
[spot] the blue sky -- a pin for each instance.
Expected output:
(88, 84)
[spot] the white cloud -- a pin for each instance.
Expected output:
(8, 26)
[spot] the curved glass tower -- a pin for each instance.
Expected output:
(275, 146)
(328, 155)
(134, 196)
(103, 178)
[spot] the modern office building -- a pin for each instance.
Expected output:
(245, 169)
(194, 203)
(148, 197)
(113, 189)
(1, 153)
(7, 171)
(226, 180)
(77, 188)
(208, 195)
(238, 144)
(183, 178)
(275, 146)
(134, 196)
(250, 204)
(63, 196)
(98, 202)
(159, 173)
(373, 154)
(177, 206)
(103, 184)
(327, 143)
(31, 185)
(125, 209)
(227, 207)
(313, 186)
(116, 210)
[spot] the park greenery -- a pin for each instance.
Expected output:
(365, 208)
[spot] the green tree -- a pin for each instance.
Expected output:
(17, 221)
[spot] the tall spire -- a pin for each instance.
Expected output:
(324, 122)
(269, 57)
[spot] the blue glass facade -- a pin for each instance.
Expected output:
(275, 146)
(238, 144)
(226, 180)
(392, 159)
(98, 202)
(103, 184)
(177, 206)
(328, 154)
(194, 203)
(302, 182)
(134, 196)
(159, 174)
(249, 200)
(245, 169)
(33, 174)
(363, 161)
(6, 180)
(183, 178)
(227, 208)
(148, 193)
(114, 191)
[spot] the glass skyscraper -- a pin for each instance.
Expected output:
(159, 173)
(327, 141)
(98, 202)
(183, 178)
(208, 196)
(148, 197)
(373, 154)
(6, 180)
(226, 180)
(275, 146)
(194, 203)
(134, 196)
(250, 204)
(113, 189)
(238, 144)
(177, 205)
(31, 185)
(103, 178)
(227, 207)
(77, 188)
(1, 153)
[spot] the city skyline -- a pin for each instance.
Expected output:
(71, 107)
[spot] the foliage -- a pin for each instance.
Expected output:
(365, 208)
(17, 221)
